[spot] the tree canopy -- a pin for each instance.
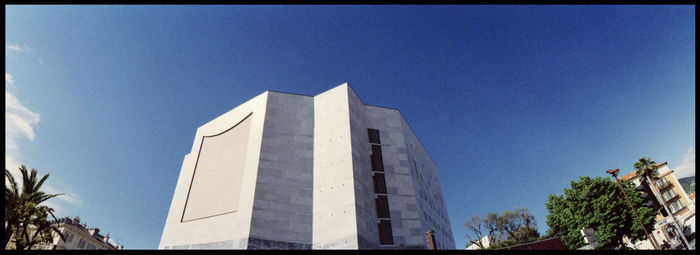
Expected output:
(598, 203)
(481, 226)
(505, 229)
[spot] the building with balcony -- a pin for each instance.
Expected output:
(675, 198)
(288, 171)
(78, 237)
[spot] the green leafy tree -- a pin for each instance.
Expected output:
(522, 235)
(518, 225)
(26, 219)
(597, 203)
(35, 227)
(513, 221)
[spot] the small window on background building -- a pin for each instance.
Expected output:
(385, 235)
(675, 206)
(660, 182)
(669, 194)
(373, 135)
(382, 203)
(81, 243)
(379, 183)
(68, 237)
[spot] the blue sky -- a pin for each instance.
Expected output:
(512, 102)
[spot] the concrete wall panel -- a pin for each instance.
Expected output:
(227, 229)
(218, 172)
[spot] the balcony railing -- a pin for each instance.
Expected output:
(674, 210)
(664, 184)
(667, 199)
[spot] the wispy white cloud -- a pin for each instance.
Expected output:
(68, 197)
(17, 47)
(687, 166)
(16, 126)
(64, 204)
(13, 165)
(9, 79)
(71, 198)
(19, 124)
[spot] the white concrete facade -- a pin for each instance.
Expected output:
(286, 171)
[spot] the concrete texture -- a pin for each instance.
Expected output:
(303, 179)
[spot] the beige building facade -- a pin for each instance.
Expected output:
(677, 201)
(77, 237)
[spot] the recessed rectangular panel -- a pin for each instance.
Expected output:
(216, 182)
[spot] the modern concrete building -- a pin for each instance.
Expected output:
(287, 171)
(677, 201)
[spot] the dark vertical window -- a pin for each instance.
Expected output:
(385, 235)
(382, 204)
(382, 201)
(373, 135)
(379, 183)
(377, 150)
(377, 162)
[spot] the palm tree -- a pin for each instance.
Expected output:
(23, 209)
(646, 168)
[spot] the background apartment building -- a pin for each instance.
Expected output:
(77, 237)
(287, 171)
(677, 201)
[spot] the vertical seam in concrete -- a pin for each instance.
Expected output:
(371, 196)
(348, 92)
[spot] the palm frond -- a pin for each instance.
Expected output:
(11, 178)
(41, 182)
